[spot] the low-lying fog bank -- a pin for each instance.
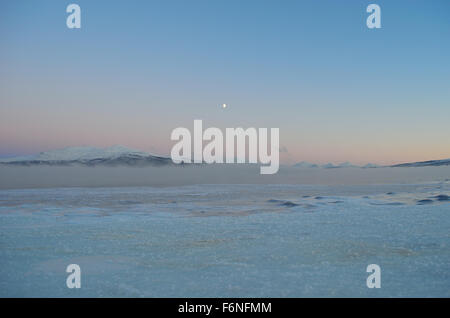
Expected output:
(45, 176)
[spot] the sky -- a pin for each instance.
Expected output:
(337, 90)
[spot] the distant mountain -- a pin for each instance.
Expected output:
(370, 165)
(341, 165)
(346, 165)
(305, 164)
(122, 156)
(90, 156)
(328, 166)
(443, 162)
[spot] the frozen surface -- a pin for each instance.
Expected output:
(227, 240)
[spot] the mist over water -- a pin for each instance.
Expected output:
(77, 176)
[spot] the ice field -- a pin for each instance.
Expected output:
(226, 241)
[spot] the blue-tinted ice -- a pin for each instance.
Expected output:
(226, 241)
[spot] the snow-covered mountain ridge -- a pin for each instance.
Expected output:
(115, 155)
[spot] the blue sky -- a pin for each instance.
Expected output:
(136, 70)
